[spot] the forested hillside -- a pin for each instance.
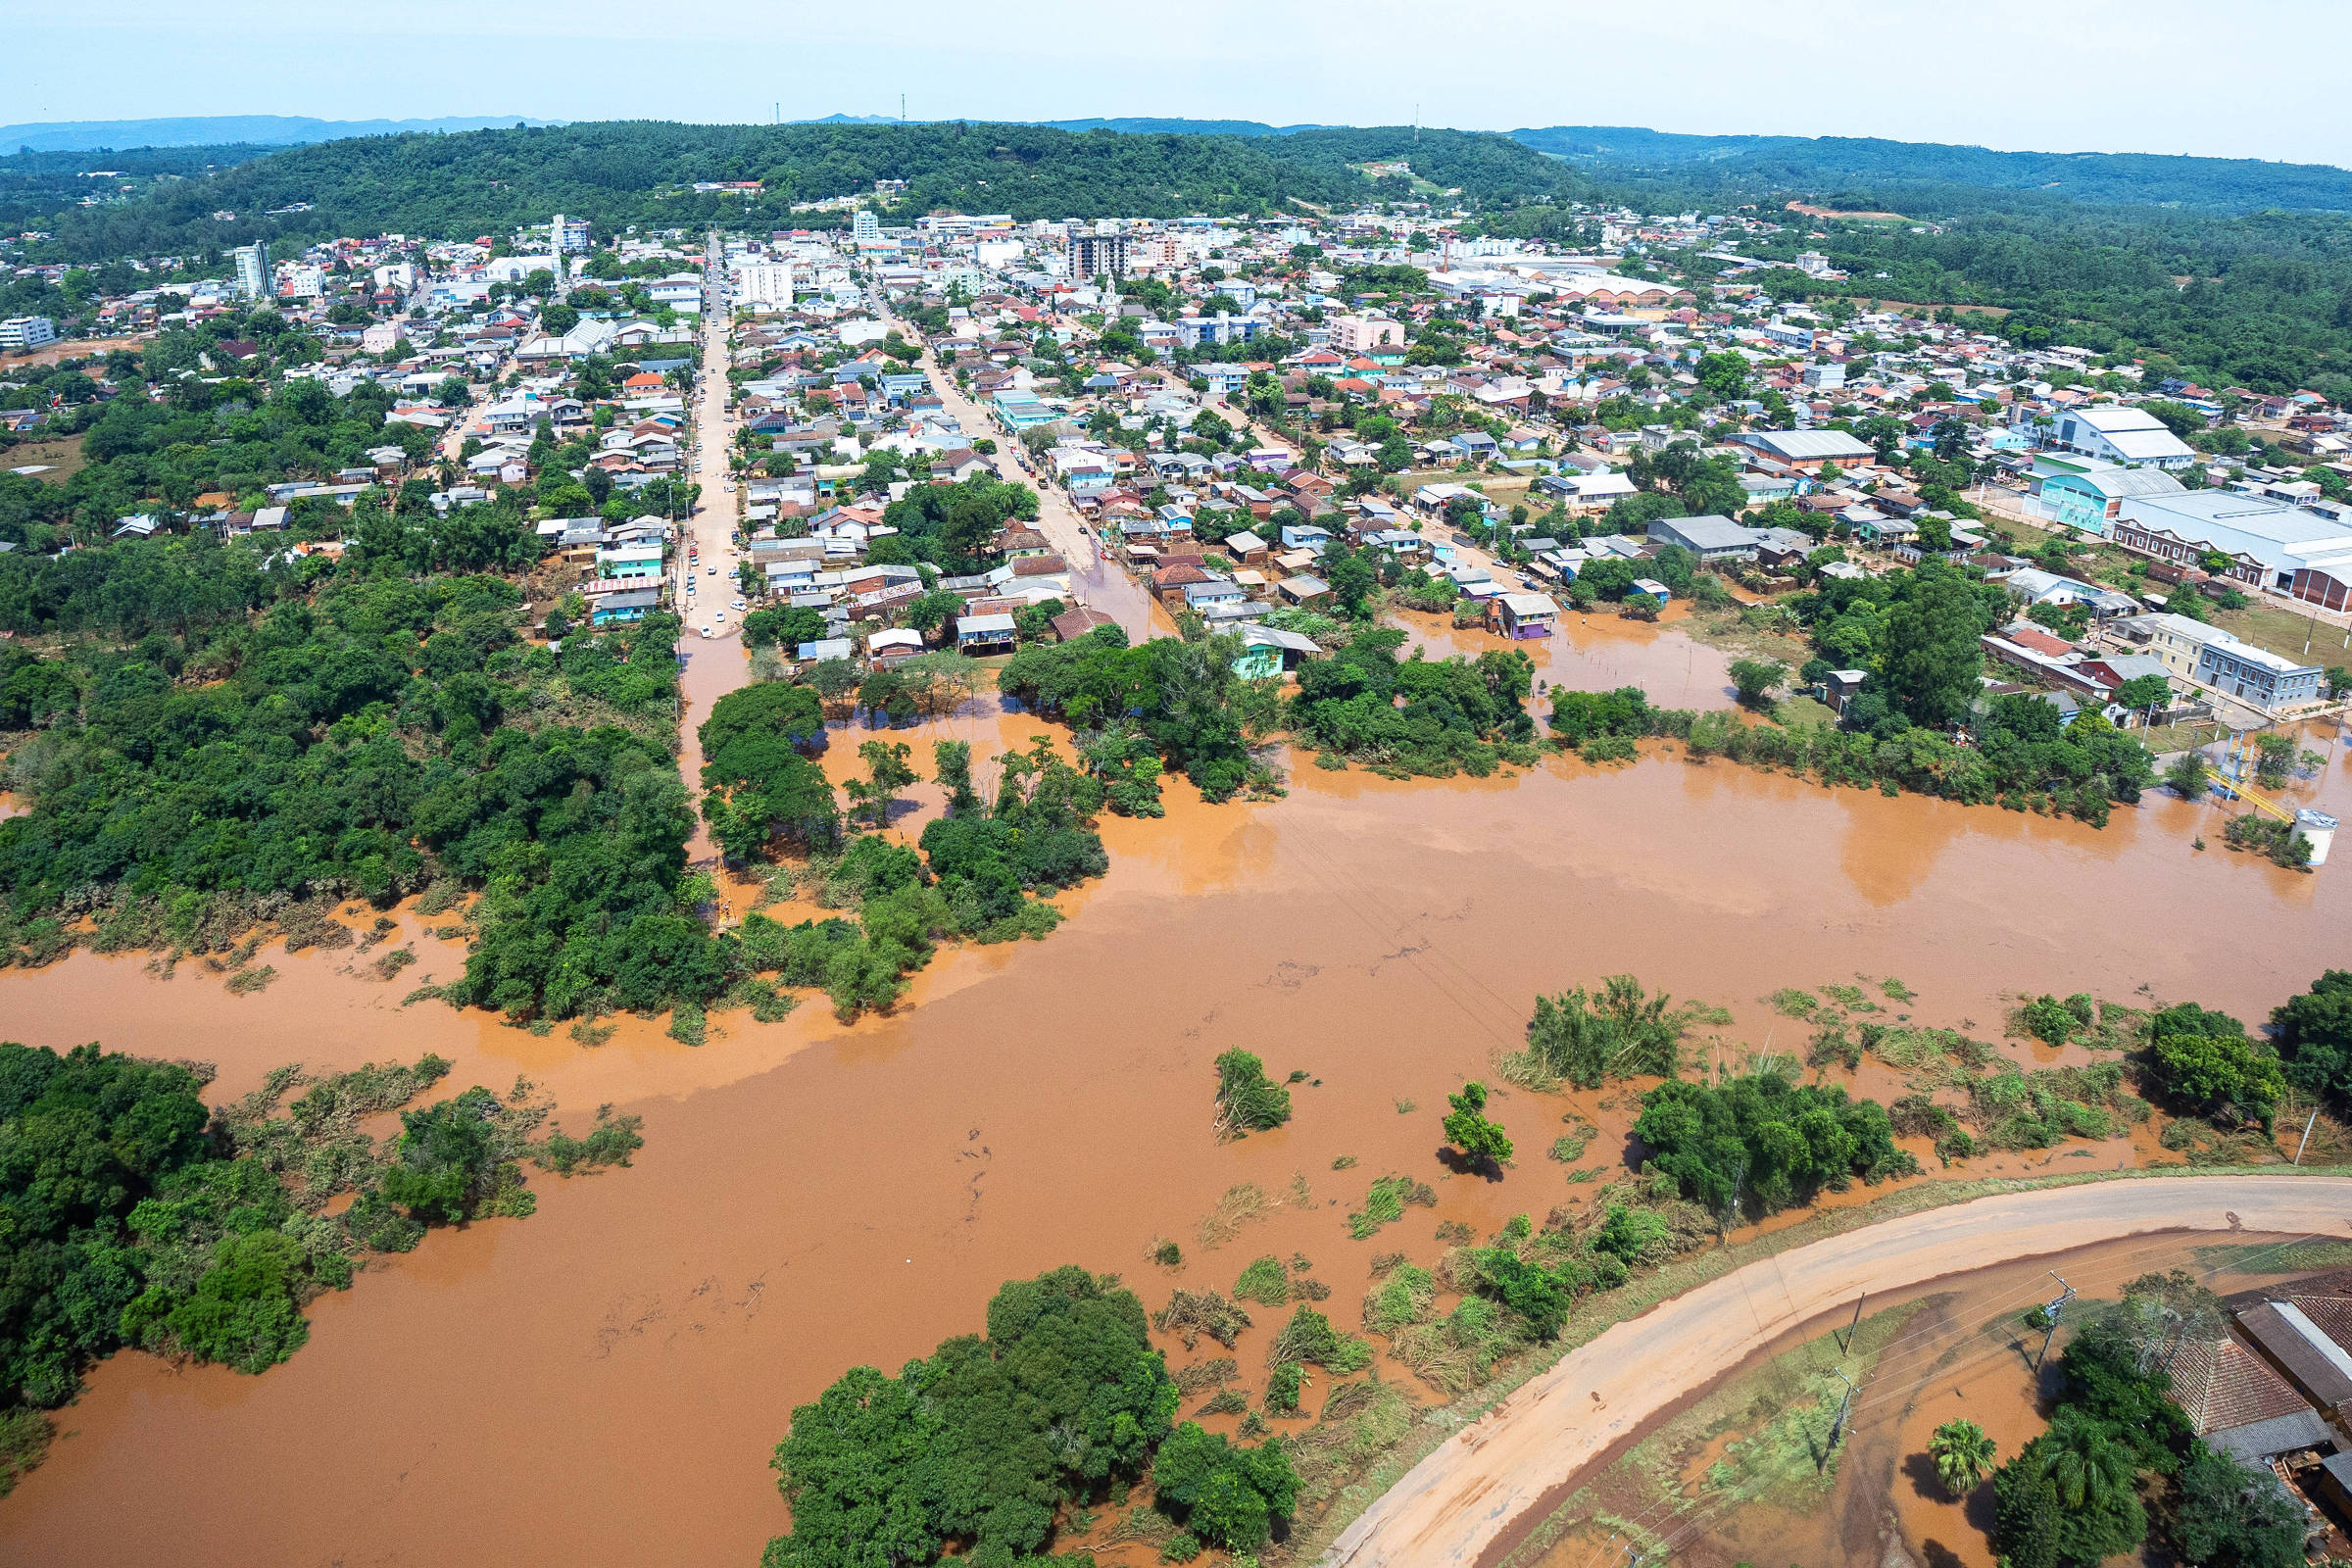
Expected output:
(1934, 178)
(641, 172)
(2265, 300)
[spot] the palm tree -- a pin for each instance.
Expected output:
(2086, 1466)
(1962, 1452)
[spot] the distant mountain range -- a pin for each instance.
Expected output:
(1717, 167)
(1127, 127)
(206, 130)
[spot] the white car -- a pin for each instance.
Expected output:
(721, 618)
(735, 604)
(713, 568)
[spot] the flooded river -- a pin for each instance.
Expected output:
(601, 1384)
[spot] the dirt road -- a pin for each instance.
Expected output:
(1458, 1502)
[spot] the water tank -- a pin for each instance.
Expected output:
(2320, 828)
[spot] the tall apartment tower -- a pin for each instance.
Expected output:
(253, 271)
(866, 228)
(1097, 256)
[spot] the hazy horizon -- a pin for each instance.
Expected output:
(2119, 78)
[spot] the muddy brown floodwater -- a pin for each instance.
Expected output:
(601, 1384)
(1598, 650)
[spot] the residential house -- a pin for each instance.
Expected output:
(1304, 591)
(1208, 597)
(978, 636)
(1521, 615)
(1072, 624)
(632, 604)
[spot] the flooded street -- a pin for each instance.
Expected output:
(601, 1384)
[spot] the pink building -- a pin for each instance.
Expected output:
(1361, 334)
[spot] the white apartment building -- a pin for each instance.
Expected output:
(26, 332)
(253, 271)
(761, 281)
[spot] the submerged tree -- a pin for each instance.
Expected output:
(1963, 1455)
(1467, 1128)
(1248, 1100)
(1621, 1032)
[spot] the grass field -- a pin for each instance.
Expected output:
(2266, 623)
(62, 455)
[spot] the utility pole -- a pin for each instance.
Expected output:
(2309, 1122)
(1846, 1345)
(2050, 1313)
(1838, 1423)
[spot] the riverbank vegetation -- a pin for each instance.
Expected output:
(251, 743)
(1403, 718)
(979, 871)
(138, 1216)
(2019, 755)
(1767, 1138)
(1170, 700)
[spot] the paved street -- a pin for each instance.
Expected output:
(1098, 579)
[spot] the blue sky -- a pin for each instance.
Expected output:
(2249, 78)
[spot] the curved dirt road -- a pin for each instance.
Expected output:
(1456, 1502)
